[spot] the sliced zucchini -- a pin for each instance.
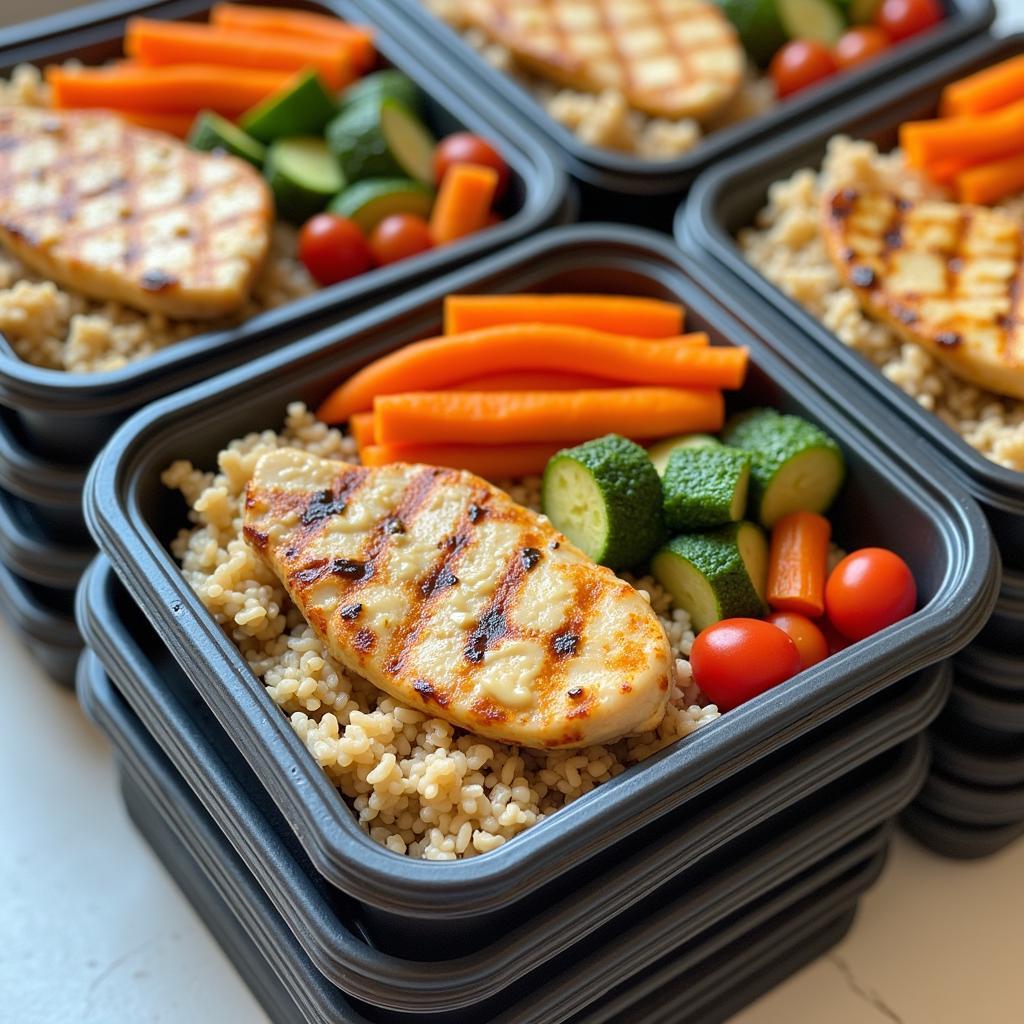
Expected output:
(382, 140)
(705, 486)
(795, 465)
(212, 132)
(303, 108)
(758, 25)
(717, 574)
(818, 20)
(369, 201)
(388, 84)
(605, 496)
(659, 452)
(303, 175)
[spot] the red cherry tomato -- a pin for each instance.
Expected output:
(809, 639)
(869, 590)
(398, 237)
(836, 641)
(333, 248)
(737, 659)
(464, 148)
(860, 44)
(799, 64)
(902, 19)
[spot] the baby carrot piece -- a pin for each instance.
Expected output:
(533, 380)
(463, 202)
(155, 42)
(616, 314)
(513, 417)
(360, 426)
(980, 137)
(356, 39)
(987, 90)
(797, 563)
(493, 462)
(182, 88)
(443, 362)
(988, 182)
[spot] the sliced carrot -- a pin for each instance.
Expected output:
(514, 417)
(797, 563)
(943, 172)
(360, 426)
(184, 88)
(172, 124)
(617, 314)
(987, 183)
(985, 136)
(494, 462)
(446, 361)
(533, 380)
(463, 202)
(155, 42)
(357, 39)
(995, 87)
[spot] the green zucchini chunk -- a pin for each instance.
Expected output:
(705, 486)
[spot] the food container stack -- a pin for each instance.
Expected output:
(579, 77)
(83, 346)
(494, 880)
(964, 411)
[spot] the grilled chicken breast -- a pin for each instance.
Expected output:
(132, 215)
(669, 58)
(944, 275)
(445, 593)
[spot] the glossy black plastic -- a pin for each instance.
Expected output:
(906, 505)
(728, 197)
(986, 708)
(556, 996)
(980, 667)
(70, 415)
(348, 943)
(963, 757)
(626, 187)
(27, 550)
(43, 621)
(955, 839)
(970, 803)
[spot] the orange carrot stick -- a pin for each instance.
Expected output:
(172, 124)
(514, 417)
(533, 380)
(989, 182)
(493, 462)
(943, 172)
(185, 88)
(463, 202)
(617, 314)
(987, 90)
(984, 136)
(356, 39)
(797, 563)
(446, 361)
(155, 42)
(360, 426)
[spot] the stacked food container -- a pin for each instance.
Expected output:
(54, 421)
(973, 803)
(738, 851)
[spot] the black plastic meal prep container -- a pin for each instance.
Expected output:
(621, 186)
(908, 506)
(43, 621)
(962, 758)
(728, 197)
(991, 670)
(29, 551)
(952, 838)
(71, 415)
(985, 708)
(1004, 631)
(971, 803)
(555, 996)
(346, 942)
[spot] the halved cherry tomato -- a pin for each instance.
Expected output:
(398, 237)
(333, 248)
(465, 148)
(737, 659)
(902, 19)
(860, 44)
(799, 64)
(809, 639)
(869, 590)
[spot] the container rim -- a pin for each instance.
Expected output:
(28, 615)
(480, 975)
(634, 175)
(545, 194)
(959, 608)
(697, 229)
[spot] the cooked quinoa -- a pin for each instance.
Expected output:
(605, 119)
(419, 785)
(61, 329)
(786, 245)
